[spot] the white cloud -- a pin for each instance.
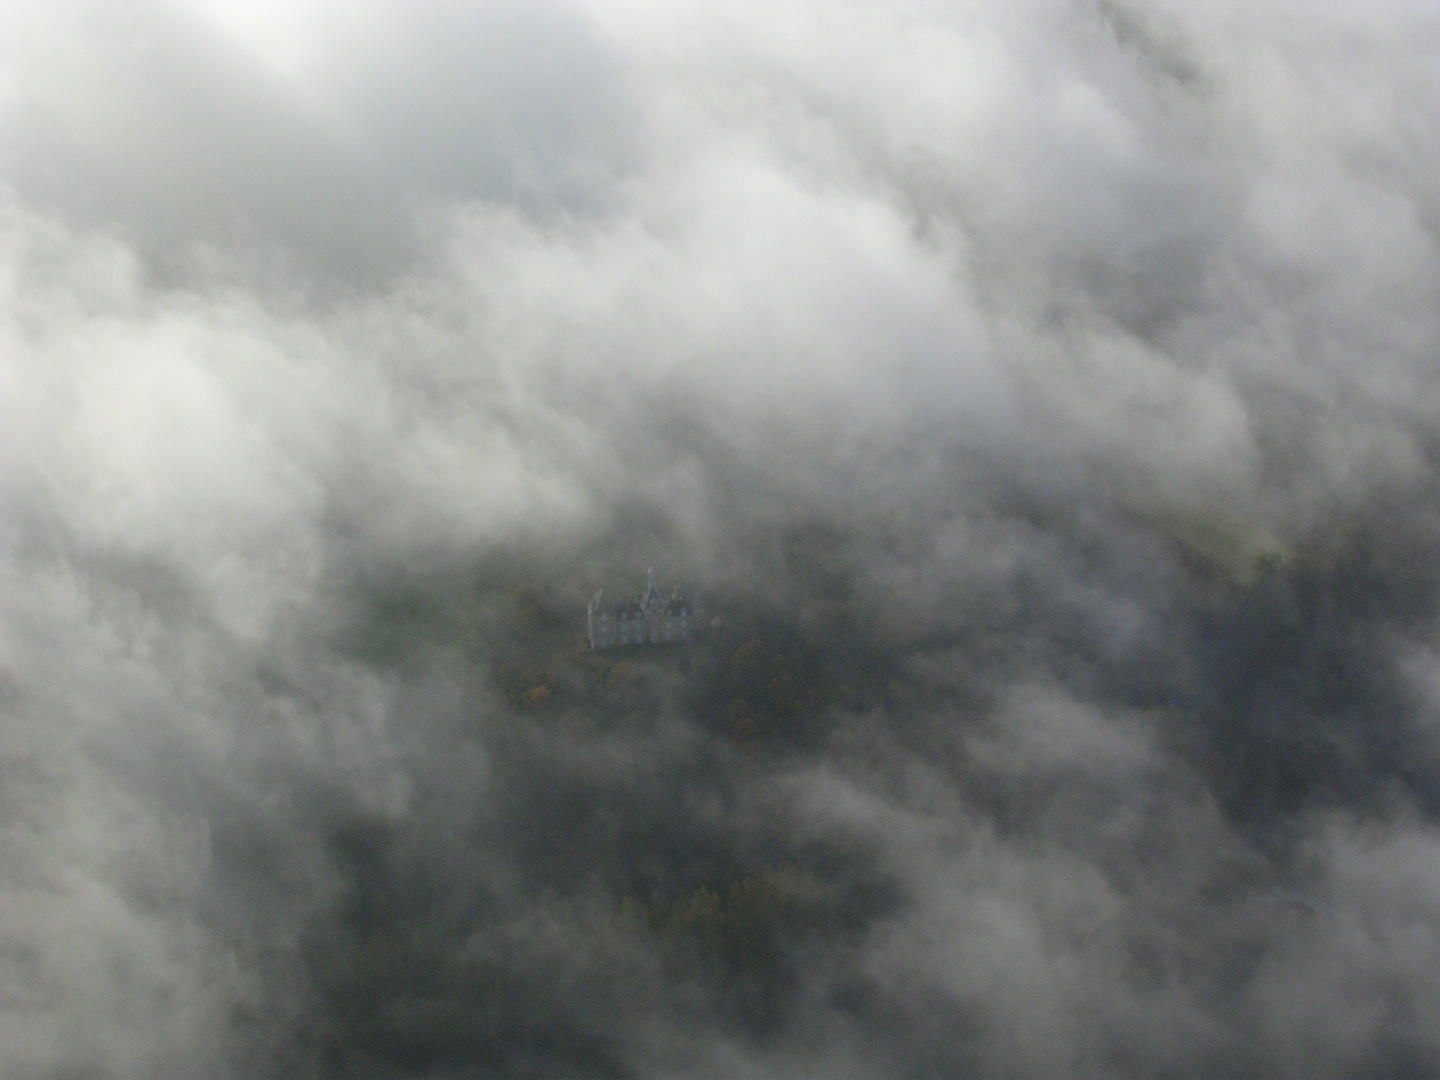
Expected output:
(293, 295)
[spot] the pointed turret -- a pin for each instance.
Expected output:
(652, 591)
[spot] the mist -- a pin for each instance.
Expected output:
(1040, 399)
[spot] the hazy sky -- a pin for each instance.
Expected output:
(1068, 369)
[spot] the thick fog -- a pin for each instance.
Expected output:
(1042, 398)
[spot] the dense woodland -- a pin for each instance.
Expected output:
(637, 794)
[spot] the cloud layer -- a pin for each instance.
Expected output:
(1040, 396)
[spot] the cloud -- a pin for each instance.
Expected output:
(1039, 397)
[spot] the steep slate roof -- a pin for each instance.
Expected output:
(634, 609)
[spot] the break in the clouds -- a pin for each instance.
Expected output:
(1041, 398)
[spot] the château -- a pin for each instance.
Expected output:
(652, 620)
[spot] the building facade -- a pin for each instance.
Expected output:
(652, 620)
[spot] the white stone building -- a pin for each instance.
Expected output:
(651, 620)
